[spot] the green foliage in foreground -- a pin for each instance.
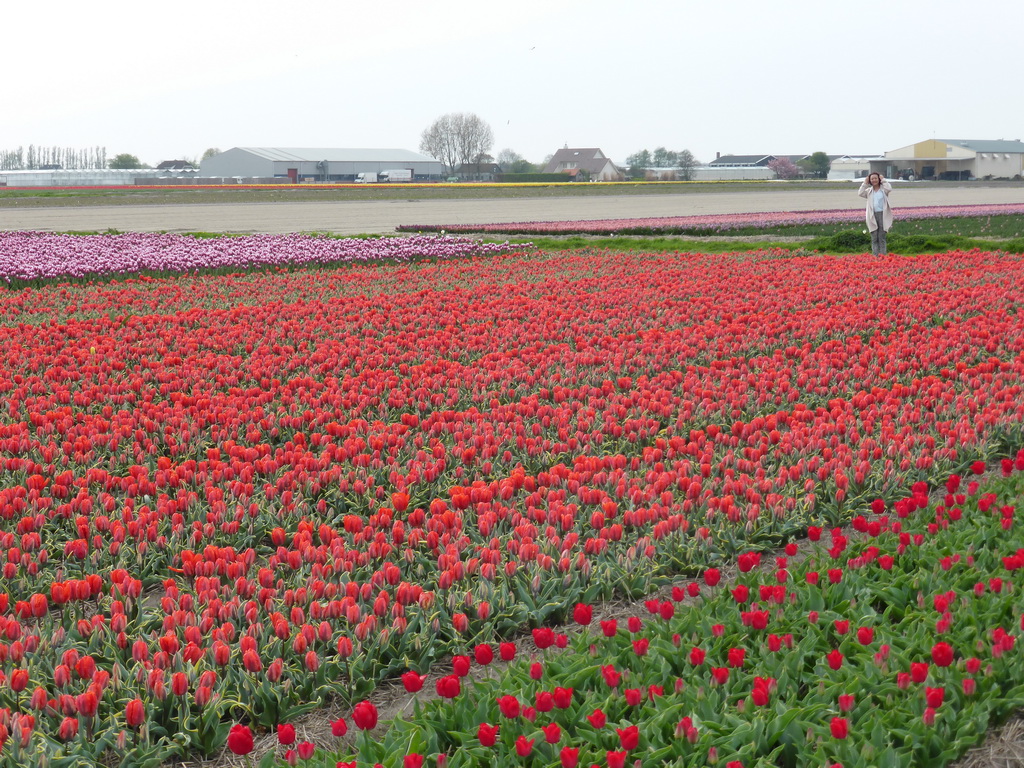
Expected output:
(846, 241)
(1007, 226)
(856, 241)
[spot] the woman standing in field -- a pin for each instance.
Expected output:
(878, 214)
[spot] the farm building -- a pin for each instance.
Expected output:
(318, 165)
(93, 177)
(846, 167)
(739, 167)
(176, 165)
(572, 160)
(482, 171)
(954, 159)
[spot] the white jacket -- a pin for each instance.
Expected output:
(869, 214)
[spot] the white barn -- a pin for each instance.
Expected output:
(317, 165)
(955, 159)
(849, 167)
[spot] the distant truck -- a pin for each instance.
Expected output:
(395, 175)
(366, 178)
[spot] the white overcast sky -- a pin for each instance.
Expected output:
(164, 80)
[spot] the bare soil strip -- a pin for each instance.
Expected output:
(382, 216)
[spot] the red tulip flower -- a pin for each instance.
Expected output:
(68, 729)
(364, 716)
(461, 665)
(135, 713)
(563, 697)
(942, 654)
(552, 733)
(612, 677)
(487, 734)
(412, 681)
(543, 637)
(629, 737)
(934, 697)
(839, 727)
(524, 746)
(285, 734)
(448, 687)
(19, 680)
(509, 706)
(484, 654)
(240, 739)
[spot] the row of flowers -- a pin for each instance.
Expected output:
(29, 256)
(894, 645)
(710, 224)
(246, 494)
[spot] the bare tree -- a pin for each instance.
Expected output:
(457, 138)
(439, 141)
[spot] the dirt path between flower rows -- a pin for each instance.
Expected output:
(381, 217)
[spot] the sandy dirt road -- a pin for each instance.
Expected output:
(380, 217)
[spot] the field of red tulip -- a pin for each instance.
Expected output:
(895, 645)
(229, 498)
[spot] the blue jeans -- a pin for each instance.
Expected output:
(878, 235)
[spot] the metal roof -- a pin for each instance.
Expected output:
(336, 155)
(743, 160)
(987, 145)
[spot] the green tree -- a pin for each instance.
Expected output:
(211, 152)
(664, 158)
(124, 160)
(512, 162)
(816, 166)
(686, 163)
(638, 162)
